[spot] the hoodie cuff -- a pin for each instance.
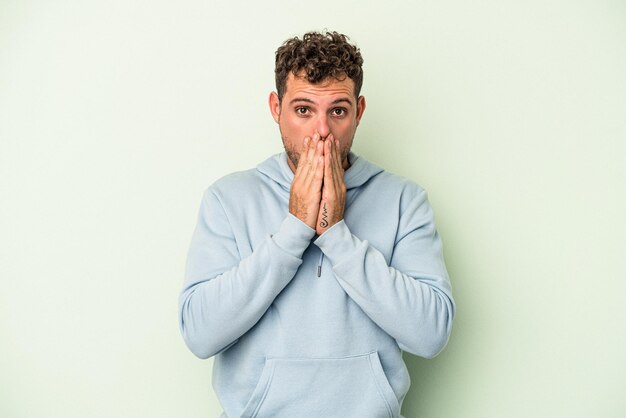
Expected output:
(337, 242)
(293, 236)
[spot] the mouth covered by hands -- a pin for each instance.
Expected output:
(318, 191)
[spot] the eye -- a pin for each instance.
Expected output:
(339, 111)
(302, 110)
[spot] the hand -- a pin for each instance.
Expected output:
(334, 189)
(306, 187)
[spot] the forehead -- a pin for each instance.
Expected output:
(298, 86)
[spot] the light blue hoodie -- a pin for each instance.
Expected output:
(306, 326)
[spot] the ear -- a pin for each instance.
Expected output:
(360, 106)
(274, 103)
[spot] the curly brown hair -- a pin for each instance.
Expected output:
(318, 56)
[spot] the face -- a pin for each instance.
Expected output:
(327, 107)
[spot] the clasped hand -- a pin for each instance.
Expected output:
(318, 192)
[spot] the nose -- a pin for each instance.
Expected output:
(322, 126)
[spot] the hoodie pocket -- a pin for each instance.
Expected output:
(323, 387)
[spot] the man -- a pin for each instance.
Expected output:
(309, 275)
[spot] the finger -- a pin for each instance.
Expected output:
(328, 146)
(338, 161)
(318, 151)
(306, 160)
(303, 156)
(333, 159)
(311, 150)
(331, 142)
(318, 177)
(338, 167)
(329, 180)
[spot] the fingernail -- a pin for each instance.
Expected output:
(306, 140)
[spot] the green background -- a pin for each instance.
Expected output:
(116, 115)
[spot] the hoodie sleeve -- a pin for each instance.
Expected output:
(410, 298)
(224, 295)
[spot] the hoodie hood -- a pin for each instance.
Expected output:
(360, 171)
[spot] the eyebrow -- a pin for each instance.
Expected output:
(306, 100)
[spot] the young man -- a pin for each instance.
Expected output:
(309, 275)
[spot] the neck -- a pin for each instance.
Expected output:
(346, 163)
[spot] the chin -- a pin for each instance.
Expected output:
(293, 157)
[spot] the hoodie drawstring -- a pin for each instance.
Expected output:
(319, 266)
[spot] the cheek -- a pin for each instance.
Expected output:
(344, 132)
(293, 127)
(291, 137)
